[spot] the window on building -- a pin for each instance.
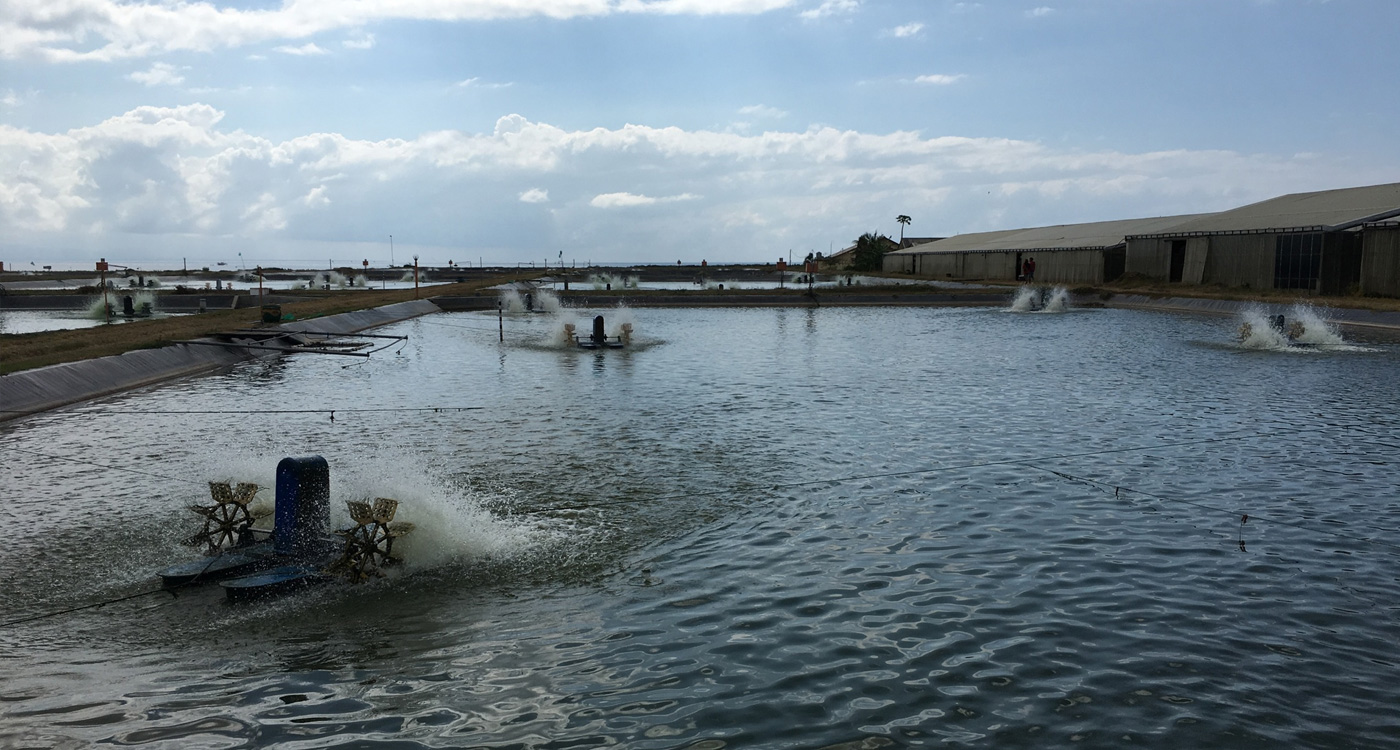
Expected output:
(1297, 259)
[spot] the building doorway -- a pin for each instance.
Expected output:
(1178, 261)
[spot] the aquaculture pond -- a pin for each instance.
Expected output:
(771, 528)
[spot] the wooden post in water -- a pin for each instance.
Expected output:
(501, 319)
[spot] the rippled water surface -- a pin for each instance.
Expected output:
(851, 528)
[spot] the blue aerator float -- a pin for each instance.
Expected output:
(299, 551)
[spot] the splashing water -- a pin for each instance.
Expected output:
(618, 318)
(1257, 331)
(1026, 299)
(1058, 301)
(139, 300)
(547, 300)
(451, 524)
(511, 301)
(1041, 299)
(1304, 330)
(565, 331)
(334, 279)
(1315, 331)
(607, 280)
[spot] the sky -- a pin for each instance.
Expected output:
(307, 133)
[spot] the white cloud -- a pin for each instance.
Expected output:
(627, 200)
(316, 197)
(106, 30)
(831, 8)
(1040, 12)
(181, 180)
(905, 31)
(764, 111)
(304, 50)
(363, 41)
(477, 83)
(11, 99)
(160, 74)
(939, 79)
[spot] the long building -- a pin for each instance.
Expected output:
(1327, 242)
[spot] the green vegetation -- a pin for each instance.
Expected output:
(870, 252)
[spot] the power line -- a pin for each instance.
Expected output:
(1118, 489)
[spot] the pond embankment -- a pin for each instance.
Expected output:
(44, 388)
(1343, 316)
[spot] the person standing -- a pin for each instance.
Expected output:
(1030, 266)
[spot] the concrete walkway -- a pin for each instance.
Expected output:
(33, 391)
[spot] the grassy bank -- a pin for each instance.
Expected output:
(26, 351)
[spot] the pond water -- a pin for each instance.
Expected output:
(841, 528)
(35, 321)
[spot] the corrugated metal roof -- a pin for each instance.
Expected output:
(1062, 236)
(1330, 209)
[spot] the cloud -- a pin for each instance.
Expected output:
(628, 200)
(177, 180)
(905, 31)
(106, 30)
(939, 79)
(760, 110)
(364, 41)
(477, 83)
(830, 8)
(1040, 12)
(160, 74)
(305, 50)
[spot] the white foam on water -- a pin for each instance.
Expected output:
(451, 523)
(547, 300)
(511, 300)
(1025, 299)
(614, 321)
(613, 281)
(1316, 331)
(1057, 301)
(1257, 332)
(561, 336)
(1038, 299)
(1305, 330)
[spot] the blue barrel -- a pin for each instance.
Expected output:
(303, 504)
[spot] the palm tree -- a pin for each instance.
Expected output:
(902, 219)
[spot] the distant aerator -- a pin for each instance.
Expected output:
(599, 338)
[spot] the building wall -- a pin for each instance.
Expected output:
(1069, 266)
(1244, 260)
(1060, 266)
(1197, 250)
(1380, 261)
(1150, 257)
